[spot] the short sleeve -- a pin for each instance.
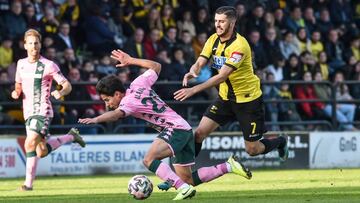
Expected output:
(147, 79)
(207, 50)
(56, 73)
(237, 56)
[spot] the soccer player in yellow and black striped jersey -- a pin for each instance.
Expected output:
(240, 96)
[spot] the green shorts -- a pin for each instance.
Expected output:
(38, 124)
(181, 143)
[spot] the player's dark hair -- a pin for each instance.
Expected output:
(109, 85)
(229, 11)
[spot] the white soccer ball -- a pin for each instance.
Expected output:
(140, 187)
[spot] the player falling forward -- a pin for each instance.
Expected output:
(34, 76)
(176, 138)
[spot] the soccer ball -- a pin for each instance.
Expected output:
(140, 187)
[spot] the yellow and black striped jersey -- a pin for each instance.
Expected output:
(242, 85)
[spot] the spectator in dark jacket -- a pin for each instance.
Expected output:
(14, 22)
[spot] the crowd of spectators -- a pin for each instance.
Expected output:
(310, 40)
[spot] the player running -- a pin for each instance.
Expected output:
(34, 76)
(176, 138)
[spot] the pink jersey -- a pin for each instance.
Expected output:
(36, 79)
(142, 102)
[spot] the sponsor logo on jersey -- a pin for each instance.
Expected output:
(218, 62)
(236, 57)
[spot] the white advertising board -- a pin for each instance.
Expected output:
(334, 149)
(102, 154)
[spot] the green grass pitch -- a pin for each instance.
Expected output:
(288, 186)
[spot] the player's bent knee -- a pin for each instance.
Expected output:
(252, 150)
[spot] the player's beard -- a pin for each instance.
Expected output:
(226, 31)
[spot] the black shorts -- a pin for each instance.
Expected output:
(250, 115)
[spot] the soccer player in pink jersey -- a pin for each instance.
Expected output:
(176, 138)
(34, 76)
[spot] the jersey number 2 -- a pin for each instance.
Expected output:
(154, 104)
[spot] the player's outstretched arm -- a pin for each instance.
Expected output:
(15, 94)
(106, 117)
(194, 70)
(125, 60)
(66, 89)
(185, 93)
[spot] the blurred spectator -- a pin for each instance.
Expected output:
(310, 19)
(335, 51)
(295, 21)
(186, 45)
(169, 40)
(307, 62)
(323, 65)
(5, 119)
(140, 11)
(271, 43)
(154, 20)
(256, 21)
(289, 45)
(287, 110)
(202, 21)
(63, 40)
(13, 21)
(76, 111)
(271, 92)
(98, 34)
(87, 68)
(241, 18)
(199, 42)
(303, 40)
(19, 50)
(276, 69)
(269, 20)
(167, 16)
(30, 18)
(280, 20)
(91, 90)
(292, 70)
(178, 65)
(324, 24)
(48, 23)
(105, 67)
(344, 112)
(316, 46)
(186, 24)
(135, 48)
(50, 53)
(48, 41)
(355, 48)
(152, 43)
(70, 62)
(313, 110)
(257, 47)
(69, 12)
(341, 14)
(6, 53)
(115, 25)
